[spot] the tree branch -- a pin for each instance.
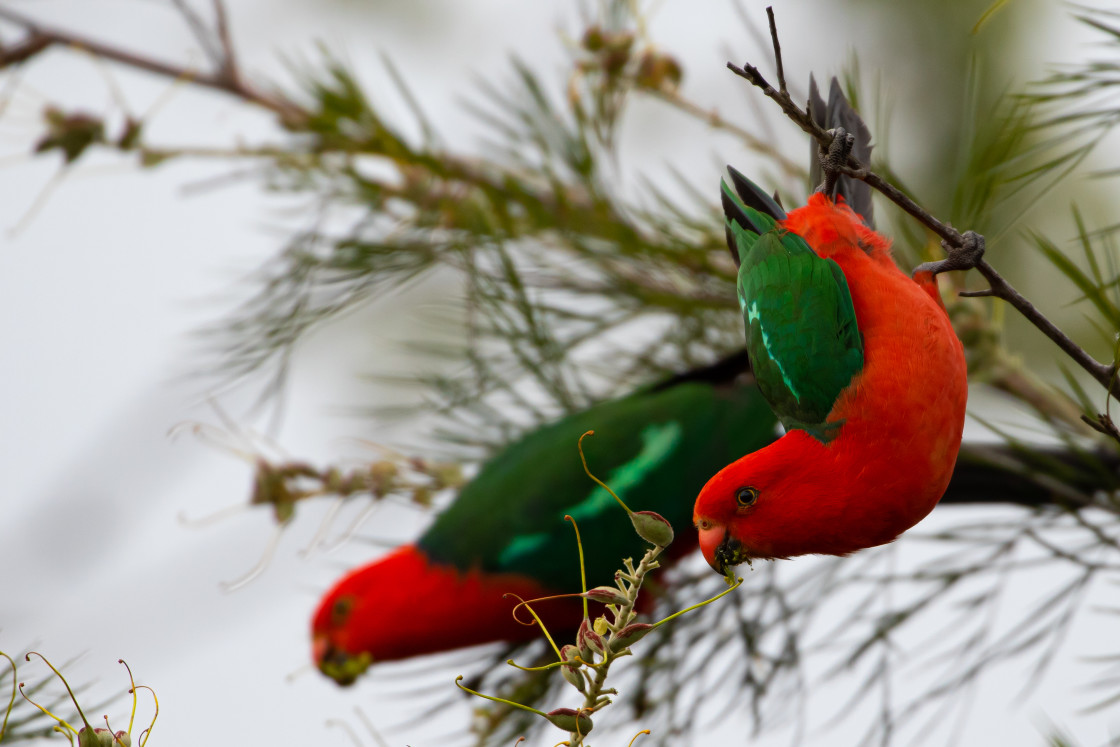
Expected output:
(961, 248)
(41, 37)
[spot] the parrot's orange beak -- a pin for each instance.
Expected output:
(340, 666)
(720, 549)
(710, 539)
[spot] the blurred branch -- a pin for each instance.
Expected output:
(227, 79)
(965, 250)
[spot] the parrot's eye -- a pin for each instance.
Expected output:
(341, 610)
(746, 497)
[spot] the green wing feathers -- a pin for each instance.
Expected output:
(656, 448)
(802, 336)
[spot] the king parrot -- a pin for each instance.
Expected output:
(860, 363)
(506, 532)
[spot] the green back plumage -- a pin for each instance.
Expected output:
(802, 336)
(656, 449)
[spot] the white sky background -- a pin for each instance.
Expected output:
(102, 286)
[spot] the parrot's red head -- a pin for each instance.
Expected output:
(775, 503)
(406, 605)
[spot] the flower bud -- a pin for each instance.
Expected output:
(652, 527)
(629, 635)
(658, 72)
(569, 719)
(98, 737)
(606, 595)
(422, 496)
(382, 478)
(446, 475)
(593, 39)
(569, 653)
(571, 671)
(601, 626)
(589, 642)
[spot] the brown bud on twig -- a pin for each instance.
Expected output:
(658, 71)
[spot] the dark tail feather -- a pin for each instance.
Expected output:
(839, 113)
(753, 196)
(1003, 474)
(724, 372)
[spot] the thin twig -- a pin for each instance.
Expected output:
(777, 49)
(229, 58)
(198, 28)
(953, 241)
(45, 36)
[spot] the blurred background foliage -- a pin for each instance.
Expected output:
(575, 257)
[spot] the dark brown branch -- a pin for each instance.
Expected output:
(24, 50)
(961, 248)
(777, 49)
(222, 81)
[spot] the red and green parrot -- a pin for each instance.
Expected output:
(859, 362)
(506, 532)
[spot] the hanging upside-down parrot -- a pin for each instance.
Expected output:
(860, 363)
(506, 533)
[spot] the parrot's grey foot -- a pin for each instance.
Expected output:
(834, 158)
(963, 257)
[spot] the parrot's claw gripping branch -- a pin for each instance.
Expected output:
(834, 157)
(966, 256)
(965, 250)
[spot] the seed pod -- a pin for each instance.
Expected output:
(658, 71)
(571, 671)
(569, 653)
(593, 39)
(589, 642)
(652, 527)
(570, 719)
(422, 496)
(606, 595)
(629, 635)
(98, 737)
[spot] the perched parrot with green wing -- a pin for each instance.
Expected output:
(860, 363)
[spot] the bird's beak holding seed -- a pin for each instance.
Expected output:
(335, 663)
(712, 538)
(720, 549)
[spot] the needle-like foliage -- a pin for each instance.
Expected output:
(555, 266)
